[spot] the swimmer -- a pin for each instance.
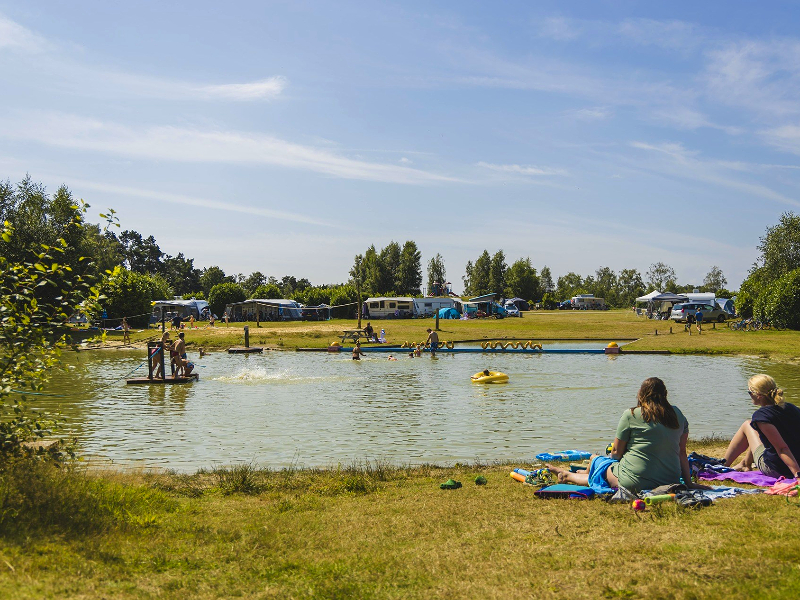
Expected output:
(486, 372)
(202, 351)
(418, 350)
(410, 355)
(391, 357)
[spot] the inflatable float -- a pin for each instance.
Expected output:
(492, 377)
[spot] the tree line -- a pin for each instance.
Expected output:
(132, 270)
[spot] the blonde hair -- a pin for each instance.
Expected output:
(765, 385)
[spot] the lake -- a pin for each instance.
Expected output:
(317, 409)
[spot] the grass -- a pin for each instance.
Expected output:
(374, 531)
(535, 325)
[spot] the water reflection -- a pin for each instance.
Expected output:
(285, 408)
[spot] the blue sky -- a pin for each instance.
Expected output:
(286, 137)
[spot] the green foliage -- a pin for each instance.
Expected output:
(198, 295)
(661, 277)
(436, 272)
(780, 247)
(497, 273)
(36, 300)
(223, 294)
(780, 301)
(522, 281)
(212, 276)
(343, 294)
(130, 294)
(266, 292)
(549, 301)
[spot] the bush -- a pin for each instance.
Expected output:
(780, 301)
(128, 293)
(548, 301)
(223, 294)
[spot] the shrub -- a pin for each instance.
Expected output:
(128, 293)
(780, 301)
(223, 294)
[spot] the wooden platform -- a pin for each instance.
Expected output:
(245, 350)
(168, 381)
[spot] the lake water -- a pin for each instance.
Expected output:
(317, 409)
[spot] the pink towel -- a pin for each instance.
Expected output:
(784, 487)
(751, 477)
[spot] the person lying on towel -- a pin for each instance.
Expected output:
(771, 438)
(649, 449)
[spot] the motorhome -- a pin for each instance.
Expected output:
(167, 309)
(428, 307)
(587, 302)
(384, 307)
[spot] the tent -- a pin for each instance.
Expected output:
(449, 313)
(519, 303)
(669, 297)
(648, 297)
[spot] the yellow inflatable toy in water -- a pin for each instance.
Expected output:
(490, 377)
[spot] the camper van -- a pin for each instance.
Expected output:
(389, 308)
(428, 307)
(587, 302)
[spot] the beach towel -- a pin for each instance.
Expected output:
(565, 490)
(721, 491)
(597, 478)
(751, 477)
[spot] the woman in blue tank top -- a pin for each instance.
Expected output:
(770, 440)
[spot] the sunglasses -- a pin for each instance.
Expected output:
(752, 393)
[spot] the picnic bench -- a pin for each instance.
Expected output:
(354, 335)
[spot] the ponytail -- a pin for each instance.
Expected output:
(764, 385)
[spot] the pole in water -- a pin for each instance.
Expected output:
(246, 336)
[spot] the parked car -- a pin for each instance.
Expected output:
(710, 313)
(512, 310)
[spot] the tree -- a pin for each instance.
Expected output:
(212, 276)
(408, 277)
(32, 335)
(605, 286)
(546, 280)
(779, 302)
(139, 254)
(629, 287)
(497, 273)
(522, 281)
(267, 292)
(660, 276)
(129, 294)
(223, 294)
(715, 280)
(780, 247)
(253, 281)
(436, 272)
(481, 273)
(180, 274)
(390, 263)
(569, 285)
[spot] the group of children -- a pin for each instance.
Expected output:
(180, 365)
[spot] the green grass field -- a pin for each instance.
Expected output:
(371, 531)
(536, 325)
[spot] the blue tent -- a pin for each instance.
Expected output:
(449, 313)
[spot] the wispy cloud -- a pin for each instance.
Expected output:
(183, 144)
(59, 69)
(15, 37)
(196, 201)
(522, 169)
(597, 113)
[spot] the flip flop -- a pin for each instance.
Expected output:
(480, 480)
(450, 484)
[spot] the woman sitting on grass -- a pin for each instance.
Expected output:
(771, 438)
(649, 449)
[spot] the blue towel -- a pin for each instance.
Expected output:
(597, 475)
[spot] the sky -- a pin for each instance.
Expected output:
(286, 137)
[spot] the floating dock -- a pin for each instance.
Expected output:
(497, 350)
(163, 381)
(245, 350)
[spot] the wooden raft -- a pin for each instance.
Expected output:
(155, 355)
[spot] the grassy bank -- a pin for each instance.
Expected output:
(536, 325)
(372, 531)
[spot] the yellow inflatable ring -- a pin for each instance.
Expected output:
(492, 377)
(449, 345)
(484, 345)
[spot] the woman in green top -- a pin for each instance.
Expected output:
(649, 449)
